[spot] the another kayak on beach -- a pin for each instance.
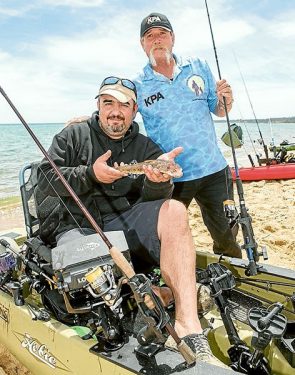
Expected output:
(266, 172)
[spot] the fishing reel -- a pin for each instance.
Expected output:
(9, 263)
(89, 288)
(85, 271)
(230, 212)
(78, 283)
(101, 284)
(250, 245)
(7, 256)
(8, 260)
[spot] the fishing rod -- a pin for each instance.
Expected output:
(246, 148)
(117, 256)
(245, 219)
(272, 143)
(251, 105)
(271, 132)
(247, 130)
(249, 156)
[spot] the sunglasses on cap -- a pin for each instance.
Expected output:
(123, 81)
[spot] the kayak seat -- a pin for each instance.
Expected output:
(41, 211)
(41, 214)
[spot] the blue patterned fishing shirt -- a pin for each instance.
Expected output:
(178, 113)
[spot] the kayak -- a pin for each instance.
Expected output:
(266, 172)
(71, 309)
(258, 306)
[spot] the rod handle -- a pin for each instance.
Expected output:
(186, 352)
(122, 262)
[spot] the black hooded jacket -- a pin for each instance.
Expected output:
(75, 149)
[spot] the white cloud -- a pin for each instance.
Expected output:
(15, 12)
(9, 12)
(58, 76)
(286, 29)
(75, 3)
(4, 56)
(19, 11)
(283, 26)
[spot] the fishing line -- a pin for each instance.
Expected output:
(224, 100)
(252, 143)
(247, 130)
(248, 155)
(271, 132)
(272, 142)
(251, 105)
(62, 202)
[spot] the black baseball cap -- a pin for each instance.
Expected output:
(154, 20)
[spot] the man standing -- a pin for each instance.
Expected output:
(176, 98)
(156, 227)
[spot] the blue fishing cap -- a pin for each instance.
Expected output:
(155, 20)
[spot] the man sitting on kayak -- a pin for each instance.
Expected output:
(156, 227)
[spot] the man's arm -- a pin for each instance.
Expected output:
(77, 120)
(62, 152)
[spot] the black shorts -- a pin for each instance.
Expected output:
(139, 224)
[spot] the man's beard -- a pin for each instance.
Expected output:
(112, 129)
(152, 57)
(116, 128)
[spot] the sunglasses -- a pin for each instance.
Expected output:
(123, 81)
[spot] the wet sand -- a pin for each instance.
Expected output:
(271, 206)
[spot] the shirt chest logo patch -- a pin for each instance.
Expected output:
(196, 84)
(153, 98)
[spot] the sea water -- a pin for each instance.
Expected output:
(17, 148)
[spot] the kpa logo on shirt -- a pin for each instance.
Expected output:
(151, 99)
(196, 84)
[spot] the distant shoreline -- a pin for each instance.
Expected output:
(33, 123)
(274, 120)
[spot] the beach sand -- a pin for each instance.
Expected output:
(271, 205)
(9, 365)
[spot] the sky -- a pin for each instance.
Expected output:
(55, 53)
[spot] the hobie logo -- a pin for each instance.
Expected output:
(38, 350)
